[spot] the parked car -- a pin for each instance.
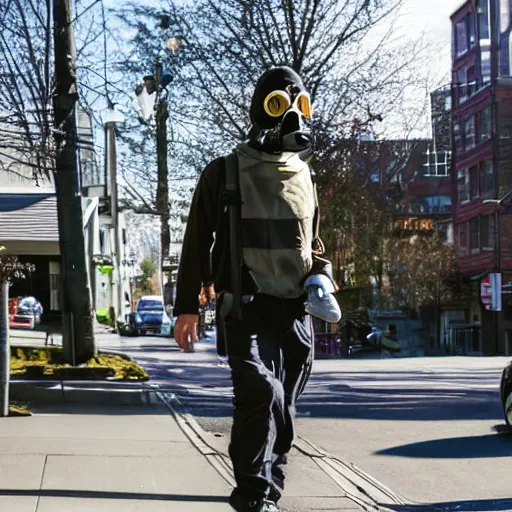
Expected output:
(150, 316)
(24, 312)
(506, 394)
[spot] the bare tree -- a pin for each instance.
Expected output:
(343, 50)
(25, 88)
(421, 271)
(348, 65)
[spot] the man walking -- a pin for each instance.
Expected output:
(259, 260)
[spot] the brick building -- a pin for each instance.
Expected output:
(482, 159)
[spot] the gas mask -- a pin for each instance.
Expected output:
(280, 109)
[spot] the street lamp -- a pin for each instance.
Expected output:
(111, 118)
(497, 254)
(153, 103)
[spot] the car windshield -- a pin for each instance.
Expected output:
(153, 305)
(27, 302)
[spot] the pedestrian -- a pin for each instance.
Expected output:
(253, 230)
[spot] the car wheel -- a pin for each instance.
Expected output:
(507, 408)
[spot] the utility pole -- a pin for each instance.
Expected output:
(494, 27)
(78, 333)
(162, 191)
(111, 180)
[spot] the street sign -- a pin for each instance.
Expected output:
(490, 291)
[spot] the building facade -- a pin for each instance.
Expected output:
(29, 229)
(482, 161)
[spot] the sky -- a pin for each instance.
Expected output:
(433, 17)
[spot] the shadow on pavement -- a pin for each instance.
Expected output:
(459, 506)
(471, 447)
(114, 495)
(401, 403)
(407, 395)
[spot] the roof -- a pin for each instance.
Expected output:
(29, 217)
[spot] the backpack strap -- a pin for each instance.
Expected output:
(233, 202)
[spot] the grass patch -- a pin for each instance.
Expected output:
(49, 363)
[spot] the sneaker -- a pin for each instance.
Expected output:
(320, 302)
(241, 503)
(322, 305)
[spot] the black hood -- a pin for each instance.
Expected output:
(278, 134)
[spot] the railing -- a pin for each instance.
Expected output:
(464, 340)
(328, 346)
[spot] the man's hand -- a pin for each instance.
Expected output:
(185, 329)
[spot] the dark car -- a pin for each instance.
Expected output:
(506, 394)
(150, 316)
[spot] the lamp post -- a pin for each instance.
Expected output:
(497, 252)
(110, 119)
(152, 96)
(497, 246)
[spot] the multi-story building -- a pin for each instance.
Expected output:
(482, 160)
(425, 180)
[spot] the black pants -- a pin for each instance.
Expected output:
(269, 353)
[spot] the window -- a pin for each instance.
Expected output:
(461, 39)
(473, 183)
(470, 27)
(462, 235)
(485, 125)
(486, 179)
(486, 66)
(461, 80)
(487, 232)
(464, 35)
(457, 135)
(504, 15)
(474, 235)
(483, 19)
(436, 163)
(463, 185)
(467, 84)
(471, 80)
(469, 133)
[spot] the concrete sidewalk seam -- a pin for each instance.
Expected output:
(222, 464)
(41, 482)
(359, 486)
(192, 430)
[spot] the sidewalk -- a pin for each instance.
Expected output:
(112, 458)
(104, 458)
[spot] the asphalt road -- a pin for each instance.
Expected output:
(428, 428)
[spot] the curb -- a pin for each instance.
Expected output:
(82, 392)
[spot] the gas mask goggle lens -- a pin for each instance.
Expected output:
(278, 102)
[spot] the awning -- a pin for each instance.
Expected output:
(28, 218)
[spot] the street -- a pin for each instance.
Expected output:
(430, 429)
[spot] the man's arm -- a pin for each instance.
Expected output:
(194, 269)
(321, 265)
(195, 256)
